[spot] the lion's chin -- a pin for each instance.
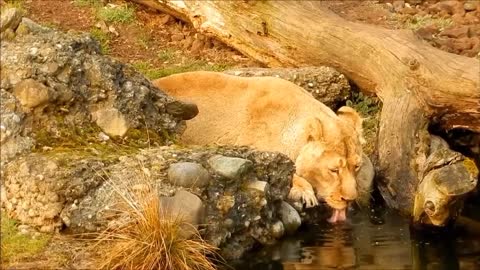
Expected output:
(338, 215)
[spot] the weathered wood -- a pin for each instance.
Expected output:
(417, 83)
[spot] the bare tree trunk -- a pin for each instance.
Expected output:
(416, 82)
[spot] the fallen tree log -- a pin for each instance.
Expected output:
(417, 83)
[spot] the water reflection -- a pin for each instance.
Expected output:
(366, 244)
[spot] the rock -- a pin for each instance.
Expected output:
(177, 37)
(451, 7)
(197, 46)
(277, 229)
(409, 11)
(103, 137)
(10, 18)
(398, 5)
(455, 32)
(427, 32)
(463, 44)
(258, 185)
(470, 5)
(186, 206)
(471, 18)
(290, 218)
(111, 121)
(31, 93)
(230, 167)
(324, 83)
(188, 174)
(365, 178)
(28, 26)
(183, 110)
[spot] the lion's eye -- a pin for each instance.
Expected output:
(334, 170)
(357, 167)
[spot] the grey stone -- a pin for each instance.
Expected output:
(188, 174)
(290, 218)
(28, 26)
(230, 167)
(10, 18)
(277, 229)
(365, 177)
(186, 206)
(183, 110)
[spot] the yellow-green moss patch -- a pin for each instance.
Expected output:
(17, 246)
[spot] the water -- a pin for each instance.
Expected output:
(368, 242)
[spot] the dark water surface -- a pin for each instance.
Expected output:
(368, 242)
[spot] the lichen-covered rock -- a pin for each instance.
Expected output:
(231, 168)
(188, 174)
(66, 92)
(324, 83)
(12, 140)
(81, 191)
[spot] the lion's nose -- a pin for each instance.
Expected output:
(349, 196)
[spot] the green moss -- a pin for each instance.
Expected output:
(16, 246)
(103, 38)
(117, 14)
(166, 55)
(470, 166)
(153, 73)
(369, 108)
(88, 3)
(415, 22)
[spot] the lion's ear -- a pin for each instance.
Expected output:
(314, 129)
(350, 115)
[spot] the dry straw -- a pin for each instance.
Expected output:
(149, 238)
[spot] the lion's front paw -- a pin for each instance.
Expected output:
(305, 196)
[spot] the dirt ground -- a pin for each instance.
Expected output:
(158, 45)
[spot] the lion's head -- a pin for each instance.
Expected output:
(330, 160)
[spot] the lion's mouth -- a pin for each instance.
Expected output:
(338, 215)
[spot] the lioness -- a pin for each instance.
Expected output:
(273, 114)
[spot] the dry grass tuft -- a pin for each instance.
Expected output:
(150, 239)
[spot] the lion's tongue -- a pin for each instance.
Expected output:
(337, 215)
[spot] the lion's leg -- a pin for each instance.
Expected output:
(302, 191)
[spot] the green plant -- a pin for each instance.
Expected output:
(103, 38)
(363, 104)
(117, 14)
(150, 238)
(418, 21)
(88, 3)
(166, 55)
(153, 73)
(14, 245)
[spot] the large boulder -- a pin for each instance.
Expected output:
(80, 191)
(57, 89)
(324, 83)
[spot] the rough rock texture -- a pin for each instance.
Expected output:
(324, 83)
(188, 174)
(58, 89)
(51, 190)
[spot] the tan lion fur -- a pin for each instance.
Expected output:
(272, 114)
